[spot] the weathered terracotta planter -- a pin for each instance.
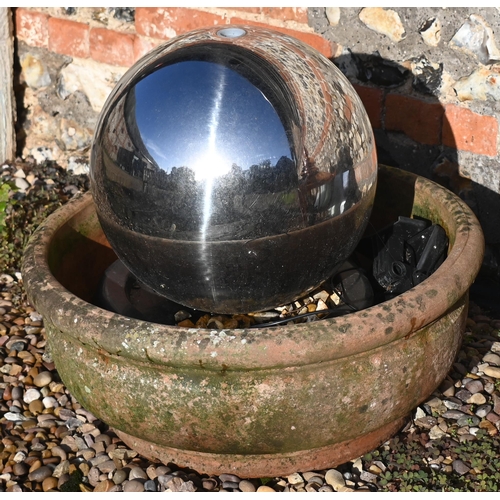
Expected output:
(255, 402)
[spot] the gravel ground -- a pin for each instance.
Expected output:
(50, 443)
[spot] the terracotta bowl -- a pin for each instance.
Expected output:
(255, 402)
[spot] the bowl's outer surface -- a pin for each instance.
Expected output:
(258, 402)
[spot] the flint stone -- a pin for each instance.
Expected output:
(333, 15)
(384, 21)
(476, 37)
(427, 76)
(36, 74)
(430, 31)
(91, 79)
(481, 85)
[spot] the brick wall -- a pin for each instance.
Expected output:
(121, 44)
(54, 29)
(72, 57)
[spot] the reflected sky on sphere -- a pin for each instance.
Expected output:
(206, 116)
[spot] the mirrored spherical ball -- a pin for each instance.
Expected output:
(233, 169)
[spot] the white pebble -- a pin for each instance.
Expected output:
(419, 413)
(19, 457)
(14, 417)
(495, 347)
(21, 184)
(335, 479)
(49, 402)
(295, 478)
(322, 295)
(31, 395)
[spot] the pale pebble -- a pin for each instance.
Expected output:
(31, 395)
(335, 479)
(264, 488)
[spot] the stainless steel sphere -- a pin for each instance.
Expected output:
(233, 169)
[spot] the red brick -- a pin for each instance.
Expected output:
(167, 22)
(419, 120)
(112, 47)
(143, 45)
(32, 27)
(372, 100)
(317, 41)
(298, 14)
(463, 129)
(250, 10)
(68, 37)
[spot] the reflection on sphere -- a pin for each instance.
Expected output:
(233, 173)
